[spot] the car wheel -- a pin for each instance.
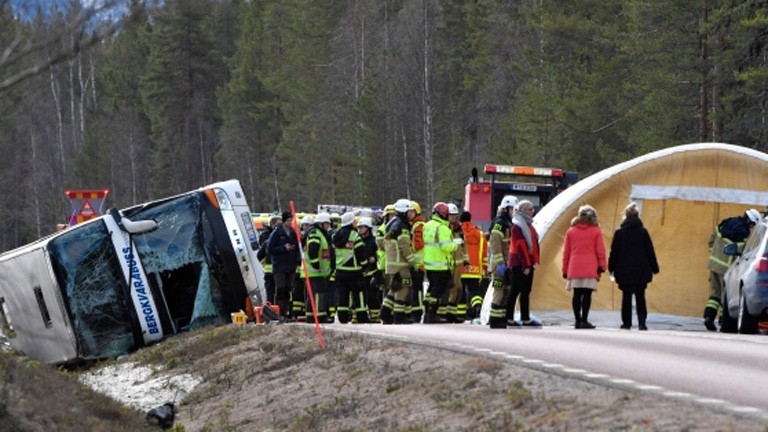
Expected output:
(747, 323)
(728, 323)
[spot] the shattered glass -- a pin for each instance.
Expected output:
(92, 282)
(175, 251)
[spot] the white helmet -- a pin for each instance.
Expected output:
(366, 222)
(347, 218)
(323, 218)
(307, 220)
(452, 209)
(753, 215)
(509, 201)
(403, 205)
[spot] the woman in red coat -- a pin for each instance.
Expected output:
(583, 262)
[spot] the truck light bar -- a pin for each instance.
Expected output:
(522, 170)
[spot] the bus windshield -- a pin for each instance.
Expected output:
(88, 270)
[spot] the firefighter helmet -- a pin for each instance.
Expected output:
(452, 209)
(389, 209)
(508, 201)
(440, 209)
(416, 207)
(753, 216)
(323, 218)
(365, 221)
(307, 220)
(403, 205)
(347, 218)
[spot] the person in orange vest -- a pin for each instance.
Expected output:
(477, 253)
(456, 307)
(417, 272)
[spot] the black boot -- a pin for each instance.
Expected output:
(710, 315)
(362, 318)
(385, 315)
(431, 317)
(454, 319)
(498, 322)
(402, 318)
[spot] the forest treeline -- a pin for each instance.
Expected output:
(362, 101)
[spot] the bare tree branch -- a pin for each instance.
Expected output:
(87, 29)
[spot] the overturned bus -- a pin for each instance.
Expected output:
(125, 280)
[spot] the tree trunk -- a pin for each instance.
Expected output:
(60, 124)
(82, 97)
(703, 102)
(429, 168)
(72, 110)
(34, 180)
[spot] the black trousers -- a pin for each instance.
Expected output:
(582, 301)
(627, 291)
(438, 285)
(521, 287)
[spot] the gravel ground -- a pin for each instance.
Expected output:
(278, 379)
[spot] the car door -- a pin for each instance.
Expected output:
(741, 268)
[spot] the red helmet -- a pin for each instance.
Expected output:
(441, 209)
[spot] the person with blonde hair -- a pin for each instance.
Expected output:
(583, 262)
(632, 263)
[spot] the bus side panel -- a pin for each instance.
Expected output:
(39, 322)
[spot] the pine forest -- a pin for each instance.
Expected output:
(357, 102)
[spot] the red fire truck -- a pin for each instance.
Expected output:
(538, 185)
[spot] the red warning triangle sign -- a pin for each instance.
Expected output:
(87, 210)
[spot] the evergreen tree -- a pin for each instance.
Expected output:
(178, 90)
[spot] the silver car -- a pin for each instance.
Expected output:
(745, 295)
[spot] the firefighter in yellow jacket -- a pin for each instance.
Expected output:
(438, 254)
(400, 259)
(321, 263)
(730, 230)
(501, 229)
(379, 278)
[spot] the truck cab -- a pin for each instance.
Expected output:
(482, 196)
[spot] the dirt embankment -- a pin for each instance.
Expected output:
(276, 378)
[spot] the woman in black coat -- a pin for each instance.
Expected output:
(632, 263)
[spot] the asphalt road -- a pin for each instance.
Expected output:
(723, 370)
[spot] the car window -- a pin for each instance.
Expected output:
(754, 239)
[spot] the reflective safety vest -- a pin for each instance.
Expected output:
(438, 245)
(718, 261)
(316, 241)
(381, 252)
(398, 246)
(477, 251)
(345, 256)
(501, 230)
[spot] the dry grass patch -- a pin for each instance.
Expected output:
(39, 397)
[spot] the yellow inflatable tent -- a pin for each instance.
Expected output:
(682, 193)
